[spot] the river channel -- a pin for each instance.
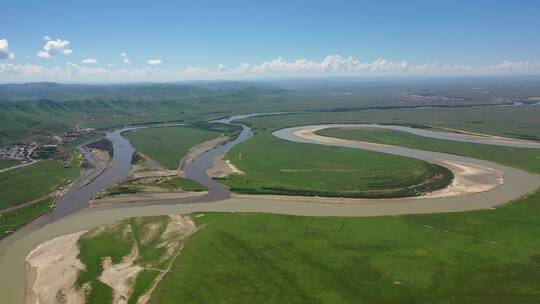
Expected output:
(72, 214)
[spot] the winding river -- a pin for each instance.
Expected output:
(72, 214)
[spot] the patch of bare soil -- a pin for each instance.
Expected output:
(480, 135)
(144, 197)
(179, 228)
(199, 149)
(53, 266)
(309, 134)
(121, 277)
(52, 269)
(152, 173)
(222, 168)
(468, 178)
(101, 157)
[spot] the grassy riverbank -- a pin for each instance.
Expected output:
(168, 145)
(275, 166)
(32, 182)
(14, 219)
(522, 158)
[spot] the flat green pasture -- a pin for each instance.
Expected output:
(14, 219)
(522, 158)
(490, 256)
(31, 182)
(168, 145)
(6, 163)
(276, 166)
(524, 122)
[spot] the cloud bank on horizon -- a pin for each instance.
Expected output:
(173, 40)
(331, 65)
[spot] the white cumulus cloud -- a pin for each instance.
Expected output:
(125, 58)
(221, 68)
(54, 47)
(517, 65)
(4, 50)
(90, 61)
(154, 61)
(330, 64)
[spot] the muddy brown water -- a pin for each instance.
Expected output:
(72, 214)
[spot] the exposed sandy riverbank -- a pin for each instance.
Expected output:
(153, 173)
(101, 157)
(144, 197)
(199, 149)
(468, 179)
(52, 271)
(482, 135)
(53, 266)
(222, 168)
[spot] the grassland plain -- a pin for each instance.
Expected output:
(32, 182)
(168, 145)
(34, 117)
(6, 163)
(489, 256)
(490, 120)
(34, 111)
(14, 219)
(274, 166)
(37, 117)
(522, 158)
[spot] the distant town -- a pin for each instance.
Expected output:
(28, 151)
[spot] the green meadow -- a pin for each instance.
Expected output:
(14, 219)
(168, 145)
(488, 120)
(490, 256)
(6, 163)
(35, 181)
(276, 166)
(522, 158)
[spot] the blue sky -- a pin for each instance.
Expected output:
(382, 37)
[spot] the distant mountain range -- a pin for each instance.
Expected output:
(134, 91)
